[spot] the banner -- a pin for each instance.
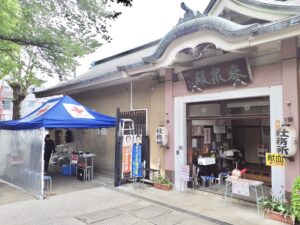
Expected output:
(137, 157)
(273, 159)
(240, 187)
(126, 156)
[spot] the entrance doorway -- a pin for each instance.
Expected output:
(274, 94)
(227, 135)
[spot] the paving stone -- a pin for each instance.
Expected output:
(99, 215)
(133, 206)
(125, 219)
(169, 218)
(150, 212)
(143, 223)
(196, 221)
(54, 221)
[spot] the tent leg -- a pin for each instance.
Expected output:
(118, 154)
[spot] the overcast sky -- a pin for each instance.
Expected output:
(145, 21)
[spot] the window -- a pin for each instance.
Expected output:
(6, 104)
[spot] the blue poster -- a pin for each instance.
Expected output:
(137, 160)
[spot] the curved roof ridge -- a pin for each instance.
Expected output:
(220, 25)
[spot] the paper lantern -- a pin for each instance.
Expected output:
(161, 136)
(286, 141)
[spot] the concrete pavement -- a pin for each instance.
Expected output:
(101, 206)
(129, 204)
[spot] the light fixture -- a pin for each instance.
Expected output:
(239, 82)
(195, 88)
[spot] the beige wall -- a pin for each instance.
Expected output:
(106, 101)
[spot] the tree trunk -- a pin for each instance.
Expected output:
(18, 96)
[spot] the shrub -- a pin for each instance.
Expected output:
(162, 180)
(295, 198)
(276, 203)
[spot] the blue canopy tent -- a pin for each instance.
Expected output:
(62, 112)
(22, 140)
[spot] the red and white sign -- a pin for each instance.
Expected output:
(74, 158)
(40, 112)
(126, 156)
(77, 111)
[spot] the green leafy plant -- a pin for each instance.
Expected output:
(162, 180)
(295, 198)
(277, 203)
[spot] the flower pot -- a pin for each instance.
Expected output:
(279, 217)
(162, 187)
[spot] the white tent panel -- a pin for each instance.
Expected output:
(21, 159)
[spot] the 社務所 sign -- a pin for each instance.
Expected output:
(286, 141)
(161, 136)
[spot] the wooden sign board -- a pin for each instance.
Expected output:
(217, 75)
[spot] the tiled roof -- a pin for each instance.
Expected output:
(111, 67)
(288, 5)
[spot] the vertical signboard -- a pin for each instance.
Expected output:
(137, 157)
(126, 156)
(207, 136)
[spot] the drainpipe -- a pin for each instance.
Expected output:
(132, 109)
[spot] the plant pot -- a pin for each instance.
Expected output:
(162, 187)
(279, 217)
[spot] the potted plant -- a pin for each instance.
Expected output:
(295, 198)
(162, 183)
(277, 208)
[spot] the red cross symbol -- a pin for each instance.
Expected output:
(43, 110)
(79, 111)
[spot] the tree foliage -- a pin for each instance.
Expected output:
(58, 31)
(45, 38)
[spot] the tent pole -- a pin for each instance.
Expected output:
(42, 158)
(118, 154)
